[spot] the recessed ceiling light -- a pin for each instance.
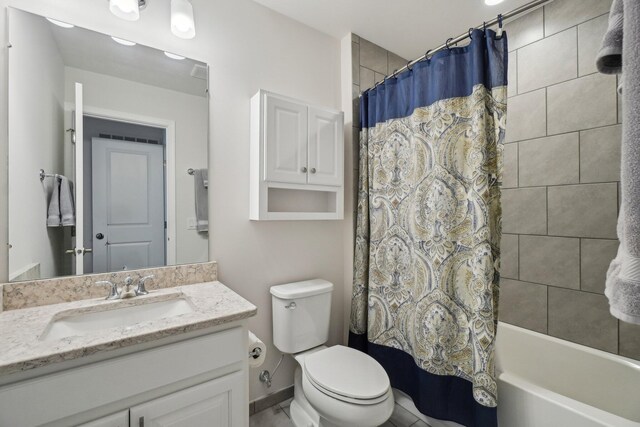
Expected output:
(174, 56)
(60, 23)
(123, 41)
(492, 2)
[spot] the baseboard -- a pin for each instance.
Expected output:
(270, 400)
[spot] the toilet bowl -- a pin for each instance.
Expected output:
(334, 386)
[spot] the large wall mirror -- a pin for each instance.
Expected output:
(107, 153)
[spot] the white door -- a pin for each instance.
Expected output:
(121, 419)
(326, 143)
(78, 137)
(286, 141)
(216, 403)
(128, 205)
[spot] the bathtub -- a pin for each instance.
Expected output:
(549, 382)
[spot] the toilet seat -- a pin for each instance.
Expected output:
(347, 375)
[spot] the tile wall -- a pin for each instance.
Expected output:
(562, 172)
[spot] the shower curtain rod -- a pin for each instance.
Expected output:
(455, 40)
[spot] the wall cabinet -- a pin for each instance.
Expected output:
(297, 159)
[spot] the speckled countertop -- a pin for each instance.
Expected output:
(22, 332)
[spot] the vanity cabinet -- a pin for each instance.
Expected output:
(297, 159)
(121, 419)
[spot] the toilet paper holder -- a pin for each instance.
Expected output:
(255, 353)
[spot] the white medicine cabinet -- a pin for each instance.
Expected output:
(297, 160)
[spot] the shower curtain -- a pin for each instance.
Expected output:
(427, 251)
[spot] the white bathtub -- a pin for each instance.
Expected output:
(548, 382)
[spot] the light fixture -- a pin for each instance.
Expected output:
(60, 23)
(174, 56)
(123, 41)
(182, 23)
(129, 10)
(492, 2)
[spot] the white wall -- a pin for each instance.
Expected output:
(36, 96)
(248, 47)
(189, 112)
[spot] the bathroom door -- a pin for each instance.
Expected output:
(128, 205)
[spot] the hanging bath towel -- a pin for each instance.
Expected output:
(426, 267)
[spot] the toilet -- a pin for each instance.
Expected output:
(334, 386)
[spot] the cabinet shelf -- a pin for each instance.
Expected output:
(297, 160)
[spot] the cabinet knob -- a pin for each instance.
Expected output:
(313, 170)
(304, 169)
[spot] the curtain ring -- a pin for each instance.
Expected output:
(484, 26)
(409, 66)
(470, 31)
(447, 43)
(500, 20)
(426, 55)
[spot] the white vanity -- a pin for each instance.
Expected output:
(186, 367)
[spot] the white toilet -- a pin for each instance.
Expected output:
(334, 386)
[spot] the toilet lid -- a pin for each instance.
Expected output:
(347, 372)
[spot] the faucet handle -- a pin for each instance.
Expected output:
(114, 292)
(141, 290)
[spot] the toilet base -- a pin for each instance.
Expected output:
(302, 413)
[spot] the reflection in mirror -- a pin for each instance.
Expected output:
(107, 153)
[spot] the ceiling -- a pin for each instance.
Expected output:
(406, 27)
(96, 52)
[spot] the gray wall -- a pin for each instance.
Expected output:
(560, 197)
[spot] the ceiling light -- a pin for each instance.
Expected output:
(129, 10)
(174, 56)
(123, 41)
(182, 23)
(60, 23)
(492, 2)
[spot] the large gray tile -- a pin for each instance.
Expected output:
(526, 29)
(367, 78)
(549, 161)
(527, 116)
(512, 74)
(630, 340)
(373, 56)
(270, 417)
(524, 211)
(583, 318)
(562, 14)
(590, 36)
(510, 175)
(548, 61)
(355, 62)
(509, 256)
(588, 210)
(395, 62)
(600, 154)
(286, 406)
(596, 255)
(523, 304)
(401, 417)
(550, 261)
(420, 423)
(583, 103)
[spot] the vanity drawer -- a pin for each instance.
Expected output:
(82, 389)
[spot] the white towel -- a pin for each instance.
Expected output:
(201, 179)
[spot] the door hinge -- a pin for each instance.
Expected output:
(165, 225)
(141, 422)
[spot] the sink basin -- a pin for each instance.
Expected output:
(69, 324)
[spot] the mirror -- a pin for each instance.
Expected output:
(107, 153)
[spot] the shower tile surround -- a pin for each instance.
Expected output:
(17, 295)
(562, 173)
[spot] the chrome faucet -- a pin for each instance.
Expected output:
(126, 290)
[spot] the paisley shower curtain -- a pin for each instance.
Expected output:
(427, 252)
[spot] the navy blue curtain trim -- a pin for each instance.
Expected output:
(450, 73)
(447, 398)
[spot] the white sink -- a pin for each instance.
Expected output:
(78, 324)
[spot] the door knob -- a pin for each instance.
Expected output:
(304, 169)
(99, 236)
(313, 170)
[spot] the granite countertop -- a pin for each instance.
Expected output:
(22, 332)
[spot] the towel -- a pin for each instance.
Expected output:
(622, 40)
(61, 211)
(201, 179)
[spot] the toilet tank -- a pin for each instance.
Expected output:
(301, 313)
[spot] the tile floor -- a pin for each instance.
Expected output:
(278, 416)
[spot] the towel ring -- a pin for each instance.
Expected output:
(447, 43)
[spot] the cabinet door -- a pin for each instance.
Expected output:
(216, 403)
(326, 142)
(121, 419)
(285, 141)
